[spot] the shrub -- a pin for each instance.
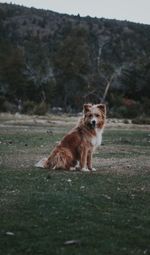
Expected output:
(28, 107)
(126, 111)
(126, 121)
(146, 105)
(141, 120)
(2, 100)
(8, 107)
(40, 109)
(120, 112)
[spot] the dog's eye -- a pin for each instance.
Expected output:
(90, 115)
(97, 115)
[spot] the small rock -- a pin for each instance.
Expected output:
(72, 242)
(10, 233)
(69, 180)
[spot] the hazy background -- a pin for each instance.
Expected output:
(50, 60)
(132, 10)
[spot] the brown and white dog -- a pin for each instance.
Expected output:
(79, 144)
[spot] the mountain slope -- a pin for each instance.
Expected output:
(66, 60)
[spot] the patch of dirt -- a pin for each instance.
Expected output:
(124, 160)
(22, 161)
(36, 122)
(124, 165)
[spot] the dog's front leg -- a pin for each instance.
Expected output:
(83, 160)
(89, 162)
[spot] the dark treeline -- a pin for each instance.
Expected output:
(56, 60)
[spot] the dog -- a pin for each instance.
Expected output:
(79, 144)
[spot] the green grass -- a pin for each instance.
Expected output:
(127, 137)
(21, 140)
(107, 212)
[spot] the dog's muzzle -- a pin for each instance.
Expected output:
(93, 123)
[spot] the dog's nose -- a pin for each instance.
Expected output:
(93, 123)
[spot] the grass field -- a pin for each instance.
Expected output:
(107, 212)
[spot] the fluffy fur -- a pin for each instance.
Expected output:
(79, 144)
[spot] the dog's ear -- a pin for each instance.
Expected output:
(102, 108)
(86, 107)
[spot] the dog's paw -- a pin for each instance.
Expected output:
(85, 169)
(93, 169)
(72, 168)
(41, 163)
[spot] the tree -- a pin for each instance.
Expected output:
(72, 67)
(11, 72)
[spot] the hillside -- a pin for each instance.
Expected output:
(60, 60)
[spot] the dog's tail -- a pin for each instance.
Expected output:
(41, 163)
(60, 158)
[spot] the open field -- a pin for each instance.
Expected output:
(107, 212)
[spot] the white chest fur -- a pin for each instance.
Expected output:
(96, 140)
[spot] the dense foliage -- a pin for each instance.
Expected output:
(49, 59)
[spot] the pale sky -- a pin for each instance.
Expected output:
(132, 10)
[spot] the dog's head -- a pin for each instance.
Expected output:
(94, 115)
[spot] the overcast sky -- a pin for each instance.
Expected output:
(132, 10)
